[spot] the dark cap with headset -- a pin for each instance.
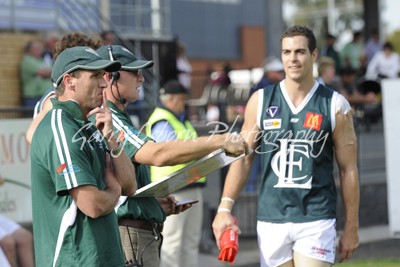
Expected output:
(129, 62)
(173, 87)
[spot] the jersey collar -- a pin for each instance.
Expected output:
(69, 106)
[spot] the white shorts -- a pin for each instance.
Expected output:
(7, 226)
(277, 241)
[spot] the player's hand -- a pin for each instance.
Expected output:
(348, 243)
(235, 145)
(223, 221)
(103, 118)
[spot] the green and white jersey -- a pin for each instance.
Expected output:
(66, 153)
(147, 208)
(39, 105)
(296, 149)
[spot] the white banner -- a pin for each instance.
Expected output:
(391, 111)
(15, 166)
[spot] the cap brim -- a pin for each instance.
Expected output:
(137, 64)
(107, 65)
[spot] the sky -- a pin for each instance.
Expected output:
(390, 15)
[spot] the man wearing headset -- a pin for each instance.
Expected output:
(141, 219)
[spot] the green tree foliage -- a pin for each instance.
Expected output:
(348, 15)
(394, 38)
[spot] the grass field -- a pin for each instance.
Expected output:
(370, 263)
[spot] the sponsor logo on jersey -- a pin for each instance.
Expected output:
(63, 169)
(272, 124)
(294, 120)
(121, 136)
(272, 111)
(313, 121)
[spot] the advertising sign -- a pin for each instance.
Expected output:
(15, 181)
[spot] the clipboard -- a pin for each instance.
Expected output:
(187, 175)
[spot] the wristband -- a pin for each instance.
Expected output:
(116, 151)
(229, 199)
(223, 210)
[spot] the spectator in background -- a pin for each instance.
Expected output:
(50, 42)
(35, 75)
(352, 53)
(107, 37)
(327, 73)
(16, 243)
(221, 75)
(372, 46)
(44, 104)
(221, 78)
(183, 67)
(181, 233)
(384, 64)
(330, 51)
(348, 88)
(273, 73)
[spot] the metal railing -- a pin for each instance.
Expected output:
(140, 19)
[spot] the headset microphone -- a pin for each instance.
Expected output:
(114, 77)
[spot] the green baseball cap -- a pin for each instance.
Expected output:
(80, 57)
(129, 62)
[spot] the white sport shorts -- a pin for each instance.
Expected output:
(277, 241)
(7, 226)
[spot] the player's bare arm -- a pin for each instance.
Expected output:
(47, 106)
(181, 151)
(238, 171)
(346, 156)
(95, 202)
(122, 166)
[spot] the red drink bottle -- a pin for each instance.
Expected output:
(229, 245)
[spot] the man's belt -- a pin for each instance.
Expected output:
(141, 224)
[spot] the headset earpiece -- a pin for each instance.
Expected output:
(114, 77)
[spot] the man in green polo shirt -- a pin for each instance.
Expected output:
(75, 183)
(140, 218)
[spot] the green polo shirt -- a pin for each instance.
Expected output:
(32, 84)
(66, 153)
(145, 208)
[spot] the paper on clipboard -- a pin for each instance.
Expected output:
(187, 175)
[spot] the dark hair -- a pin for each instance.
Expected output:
(300, 30)
(103, 34)
(73, 39)
(388, 45)
(347, 71)
(357, 34)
